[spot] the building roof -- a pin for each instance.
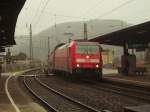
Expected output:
(138, 34)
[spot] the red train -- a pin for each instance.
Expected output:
(77, 59)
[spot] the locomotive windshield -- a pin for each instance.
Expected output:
(87, 49)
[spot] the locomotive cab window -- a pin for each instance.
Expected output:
(87, 49)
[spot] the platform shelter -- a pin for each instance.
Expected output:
(9, 11)
(134, 37)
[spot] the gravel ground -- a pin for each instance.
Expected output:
(96, 98)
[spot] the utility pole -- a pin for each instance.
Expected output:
(48, 46)
(30, 44)
(85, 32)
(56, 36)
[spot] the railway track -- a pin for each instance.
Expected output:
(128, 91)
(38, 96)
(54, 100)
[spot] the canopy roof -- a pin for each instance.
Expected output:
(9, 10)
(138, 34)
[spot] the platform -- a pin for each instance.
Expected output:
(142, 108)
(112, 73)
(18, 95)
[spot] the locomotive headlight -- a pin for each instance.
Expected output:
(87, 57)
(78, 65)
(97, 66)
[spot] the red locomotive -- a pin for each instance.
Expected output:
(77, 59)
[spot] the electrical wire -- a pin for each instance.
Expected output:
(56, 14)
(93, 7)
(38, 7)
(42, 11)
(116, 8)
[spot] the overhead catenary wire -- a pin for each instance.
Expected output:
(38, 7)
(116, 8)
(42, 11)
(39, 17)
(28, 4)
(93, 7)
(57, 14)
(77, 17)
(68, 16)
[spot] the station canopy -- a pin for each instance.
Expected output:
(134, 36)
(2, 49)
(9, 11)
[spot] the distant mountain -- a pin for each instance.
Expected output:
(62, 32)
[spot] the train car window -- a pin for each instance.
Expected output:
(93, 49)
(82, 49)
(87, 49)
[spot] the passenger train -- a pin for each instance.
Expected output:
(77, 58)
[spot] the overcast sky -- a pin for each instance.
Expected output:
(45, 13)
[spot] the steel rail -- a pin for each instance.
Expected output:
(124, 91)
(39, 98)
(91, 109)
(117, 89)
